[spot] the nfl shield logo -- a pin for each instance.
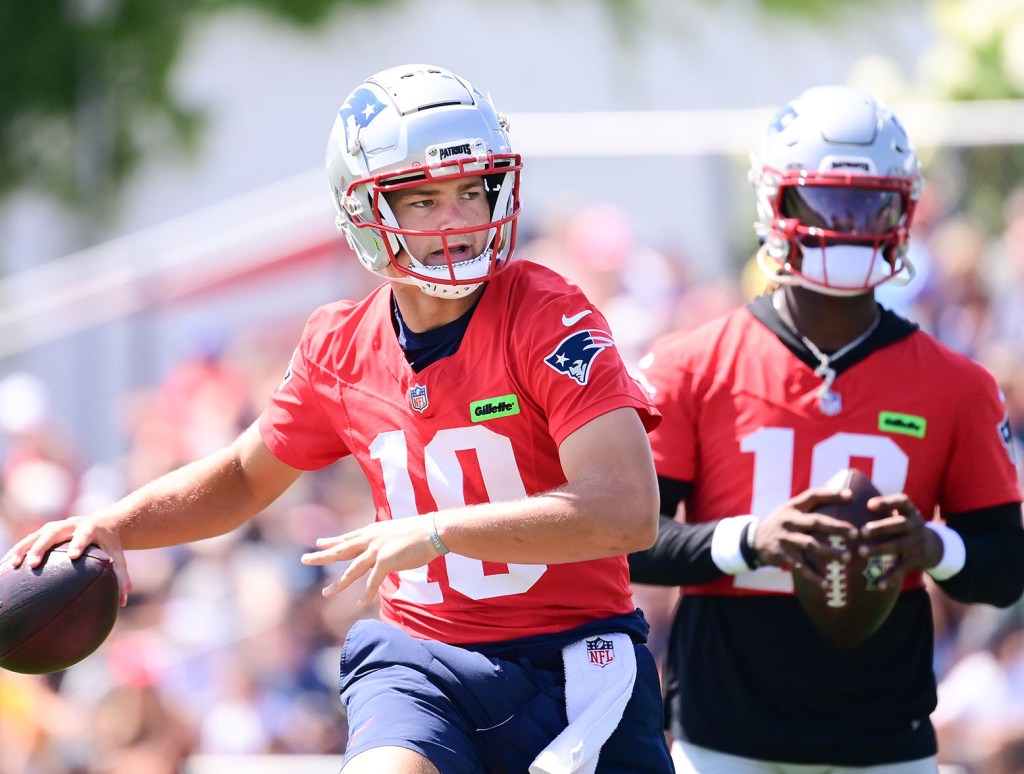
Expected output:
(600, 651)
(830, 403)
(418, 398)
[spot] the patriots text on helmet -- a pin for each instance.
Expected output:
(454, 150)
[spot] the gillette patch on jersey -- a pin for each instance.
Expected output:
(494, 408)
(904, 424)
(575, 354)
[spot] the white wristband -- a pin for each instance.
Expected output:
(726, 552)
(954, 552)
(435, 539)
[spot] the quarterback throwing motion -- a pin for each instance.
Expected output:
(506, 450)
(761, 408)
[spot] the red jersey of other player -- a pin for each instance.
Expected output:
(760, 409)
(927, 439)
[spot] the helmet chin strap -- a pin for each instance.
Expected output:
(443, 290)
(448, 291)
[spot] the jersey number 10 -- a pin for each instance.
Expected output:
(444, 477)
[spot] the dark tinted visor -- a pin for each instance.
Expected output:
(843, 209)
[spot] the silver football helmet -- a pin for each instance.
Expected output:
(400, 128)
(837, 181)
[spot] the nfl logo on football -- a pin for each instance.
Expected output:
(418, 398)
(600, 651)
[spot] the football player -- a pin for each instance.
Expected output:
(760, 408)
(506, 450)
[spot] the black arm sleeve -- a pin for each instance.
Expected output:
(993, 573)
(681, 555)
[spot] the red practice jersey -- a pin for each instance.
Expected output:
(742, 421)
(537, 362)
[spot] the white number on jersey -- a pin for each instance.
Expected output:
(444, 479)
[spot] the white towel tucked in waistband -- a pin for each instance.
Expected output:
(599, 676)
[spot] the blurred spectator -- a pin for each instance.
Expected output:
(962, 320)
(1007, 272)
(201, 405)
(38, 466)
(139, 730)
(634, 285)
(980, 715)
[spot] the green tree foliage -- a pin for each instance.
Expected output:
(85, 85)
(979, 54)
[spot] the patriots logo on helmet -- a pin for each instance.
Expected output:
(782, 119)
(575, 355)
(361, 107)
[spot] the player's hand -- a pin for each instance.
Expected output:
(794, 533)
(900, 532)
(375, 550)
(79, 532)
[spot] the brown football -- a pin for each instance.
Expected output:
(58, 613)
(852, 608)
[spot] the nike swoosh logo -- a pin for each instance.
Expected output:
(567, 321)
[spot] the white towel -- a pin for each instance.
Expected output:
(599, 676)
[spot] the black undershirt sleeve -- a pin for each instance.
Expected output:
(681, 555)
(993, 537)
(994, 570)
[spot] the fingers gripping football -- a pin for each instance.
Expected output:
(801, 538)
(78, 533)
(899, 530)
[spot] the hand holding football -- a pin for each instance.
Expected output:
(852, 607)
(54, 615)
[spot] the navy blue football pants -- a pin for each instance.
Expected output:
(471, 713)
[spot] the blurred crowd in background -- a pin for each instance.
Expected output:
(227, 646)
